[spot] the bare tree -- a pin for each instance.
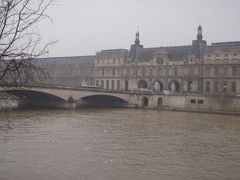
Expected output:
(20, 41)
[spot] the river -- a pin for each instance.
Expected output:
(118, 144)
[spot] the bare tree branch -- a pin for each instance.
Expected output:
(20, 41)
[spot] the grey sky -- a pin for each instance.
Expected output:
(83, 27)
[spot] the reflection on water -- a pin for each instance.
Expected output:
(119, 144)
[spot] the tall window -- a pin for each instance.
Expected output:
(175, 71)
(215, 86)
(151, 72)
(190, 70)
(113, 84)
(234, 70)
(225, 71)
(208, 69)
(207, 86)
(225, 85)
(102, 83)
(118, 84)
(143, 71)
(107, 84)
(113, 72)
(158, 71)
(102, 72)
(233, 86)
(215, 71)
(97, 83)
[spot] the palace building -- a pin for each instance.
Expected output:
(197, 68)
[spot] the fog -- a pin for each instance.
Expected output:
(83, 27)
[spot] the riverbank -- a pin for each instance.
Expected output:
(199, 111)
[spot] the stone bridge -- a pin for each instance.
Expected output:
(72, 97)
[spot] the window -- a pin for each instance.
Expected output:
(107, 84)
(151, 72)
(102, 72)
(97, 83)
(113, 72)
(234, 70)
(234, 55)
(175, 70)
(217, 56)
(208, 69)
(159, 60)
(225, 85)
(118, 84)
(113, 84)
(102, 83)
(193, 101)
(215, 71)
(190, 70)
(226, 55)
(158, 71)
(143, 71)
(113, 61)
(200, 101)
(215, 85)
(233, 86)
(225, 71)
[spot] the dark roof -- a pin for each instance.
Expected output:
(223, 46)
(175, 53)
(113, 52)
(77, 60)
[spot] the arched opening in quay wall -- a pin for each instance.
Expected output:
(160, 102)
(144, 102)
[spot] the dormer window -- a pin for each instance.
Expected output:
(159, 60)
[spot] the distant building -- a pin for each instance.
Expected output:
(66, 71)
(196, 68)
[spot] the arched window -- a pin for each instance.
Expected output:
(174, 86)
(157, 86)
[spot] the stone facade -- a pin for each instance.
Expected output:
(179, 73)
(196, 68)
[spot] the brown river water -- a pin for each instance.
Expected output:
(118, 144)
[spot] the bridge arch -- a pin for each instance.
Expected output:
(102, 100)
(37, 99)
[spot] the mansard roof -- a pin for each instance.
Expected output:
(175, 53)
(223, 46)
(72, 60)
(113, 52)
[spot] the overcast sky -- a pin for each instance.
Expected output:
(83, 27)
